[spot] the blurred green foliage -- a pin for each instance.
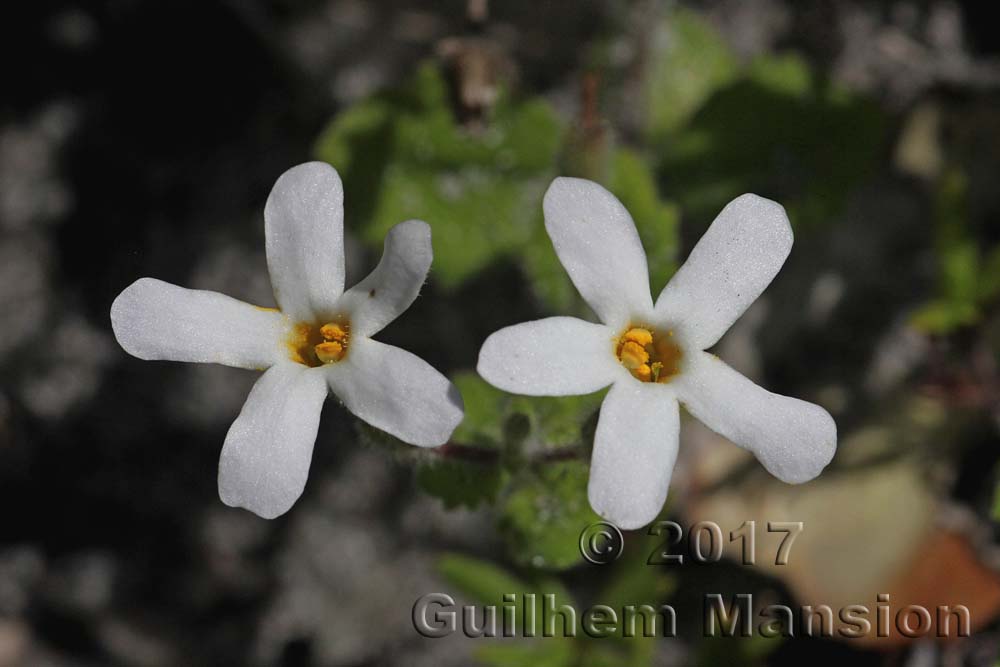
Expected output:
(544, 512)
(744, 652)
(509, 450)
(969, 276)
(689, 63)
(403, 155)
(772, 126)
(630, 582)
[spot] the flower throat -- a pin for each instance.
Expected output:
(648, 355)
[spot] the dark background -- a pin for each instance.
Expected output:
(141, 138)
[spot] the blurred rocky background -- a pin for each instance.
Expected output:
(141, 138)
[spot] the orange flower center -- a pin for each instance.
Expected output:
(317, 345)
(648, 355)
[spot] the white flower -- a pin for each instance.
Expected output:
(319, 340)
(652, 354)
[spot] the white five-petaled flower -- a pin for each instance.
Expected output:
(652, 354)
(319, 340)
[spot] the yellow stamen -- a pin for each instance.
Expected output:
(329, 352)
(333, 331)
(633, 355)
(648, 355)
(641, 336)
(312, 345)
(300, 343)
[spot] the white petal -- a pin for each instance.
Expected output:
(265, 461)
(156, 320)
(793, 439)
(396, 391)
(597, 243)
(304, 232)
(394, 284)
(635, 448)
(557, 356)
(728, 269)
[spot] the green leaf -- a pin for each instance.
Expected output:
(777, 130)
(996, 503)
(785, 73)
(960, 271)
(966, 278)
(557, 422)
(634, 582)
(402, 155)
(487, 583)
(461, 483)
(472, 480)
(658, 222)
(689, 61)
(989, 277)
(744, 652)
(942, 316)
(548, 278)
(553, 422)
(477, 214)
(544, 513)
(480, 580)
(483, 404)
(545, 652)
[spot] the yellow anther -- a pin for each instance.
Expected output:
(649, 356)
(313, 345)
(333, 331)
(329, 352)
(633, 355)
(638, 335)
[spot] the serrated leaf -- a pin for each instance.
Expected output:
(544, 513)
(461, 483)
(557, 422)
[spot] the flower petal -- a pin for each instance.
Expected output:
(635, 448)
(793, 439)
(396, 391)
(728, 269)
(597, 243)
(394, 284)
(156, 320)
(557, 356)
(304, 233)
(265, 461)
